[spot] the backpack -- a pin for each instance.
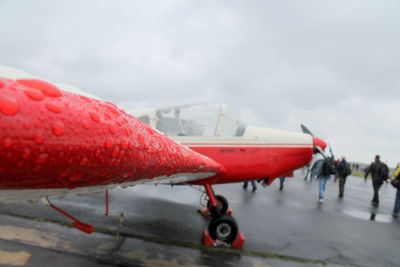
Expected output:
(327, 167)
(384, 172)
(346, 170)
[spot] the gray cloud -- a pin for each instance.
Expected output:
(331, 65)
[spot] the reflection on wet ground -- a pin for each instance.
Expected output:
(373, 215)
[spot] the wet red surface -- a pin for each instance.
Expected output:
(55, 139)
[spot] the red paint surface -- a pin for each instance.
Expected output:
(248, 163)
(55, 139)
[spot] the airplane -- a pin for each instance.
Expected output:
(57, 139)
(245, 152)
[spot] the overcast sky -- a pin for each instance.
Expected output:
(332, 65)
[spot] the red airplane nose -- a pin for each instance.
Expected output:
(319, 142)
(56, 139)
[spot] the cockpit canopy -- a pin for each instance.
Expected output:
(211, 119)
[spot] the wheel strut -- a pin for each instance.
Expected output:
(222, 229)
(213, 201)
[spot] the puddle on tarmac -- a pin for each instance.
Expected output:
(372, 215)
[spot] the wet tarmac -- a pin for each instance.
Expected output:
(160, 226)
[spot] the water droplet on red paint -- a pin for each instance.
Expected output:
(141, 139)
(13, 87)
(112, 129)
(26, 153)
(109, 143)
(115, 151)
(46, 88)
(85, 125)
(27, 125)
(149, 130)
(37, 168)
(42, 158)
(84, 161)
(124, 144)
(58, 128)
(87, 99)
(64, 173)
(107, 116)
(34, 94)
(76, 177)
(2, 84)
(8, 105)
(145, 166)
(52, 107)
(111, 107)
(94, 116)
(7, 142)
(38, 138)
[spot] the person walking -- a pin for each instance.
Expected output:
(323, 172)
(396, 184)
(281, 181)
(344, 170)
(375, 169)
(253, 184)
(336, 164)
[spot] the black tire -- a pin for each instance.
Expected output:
(223, 228)
(222, 205)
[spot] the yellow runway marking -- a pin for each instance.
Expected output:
(19, 258)
(34, 237)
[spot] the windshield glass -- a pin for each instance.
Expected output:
(231, 126)
(198, 120)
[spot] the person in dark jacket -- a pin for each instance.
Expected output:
(375, 169)
(343, 171)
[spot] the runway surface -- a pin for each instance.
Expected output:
(160, 226)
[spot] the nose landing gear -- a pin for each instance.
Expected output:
(222, 229)
(222, 205)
